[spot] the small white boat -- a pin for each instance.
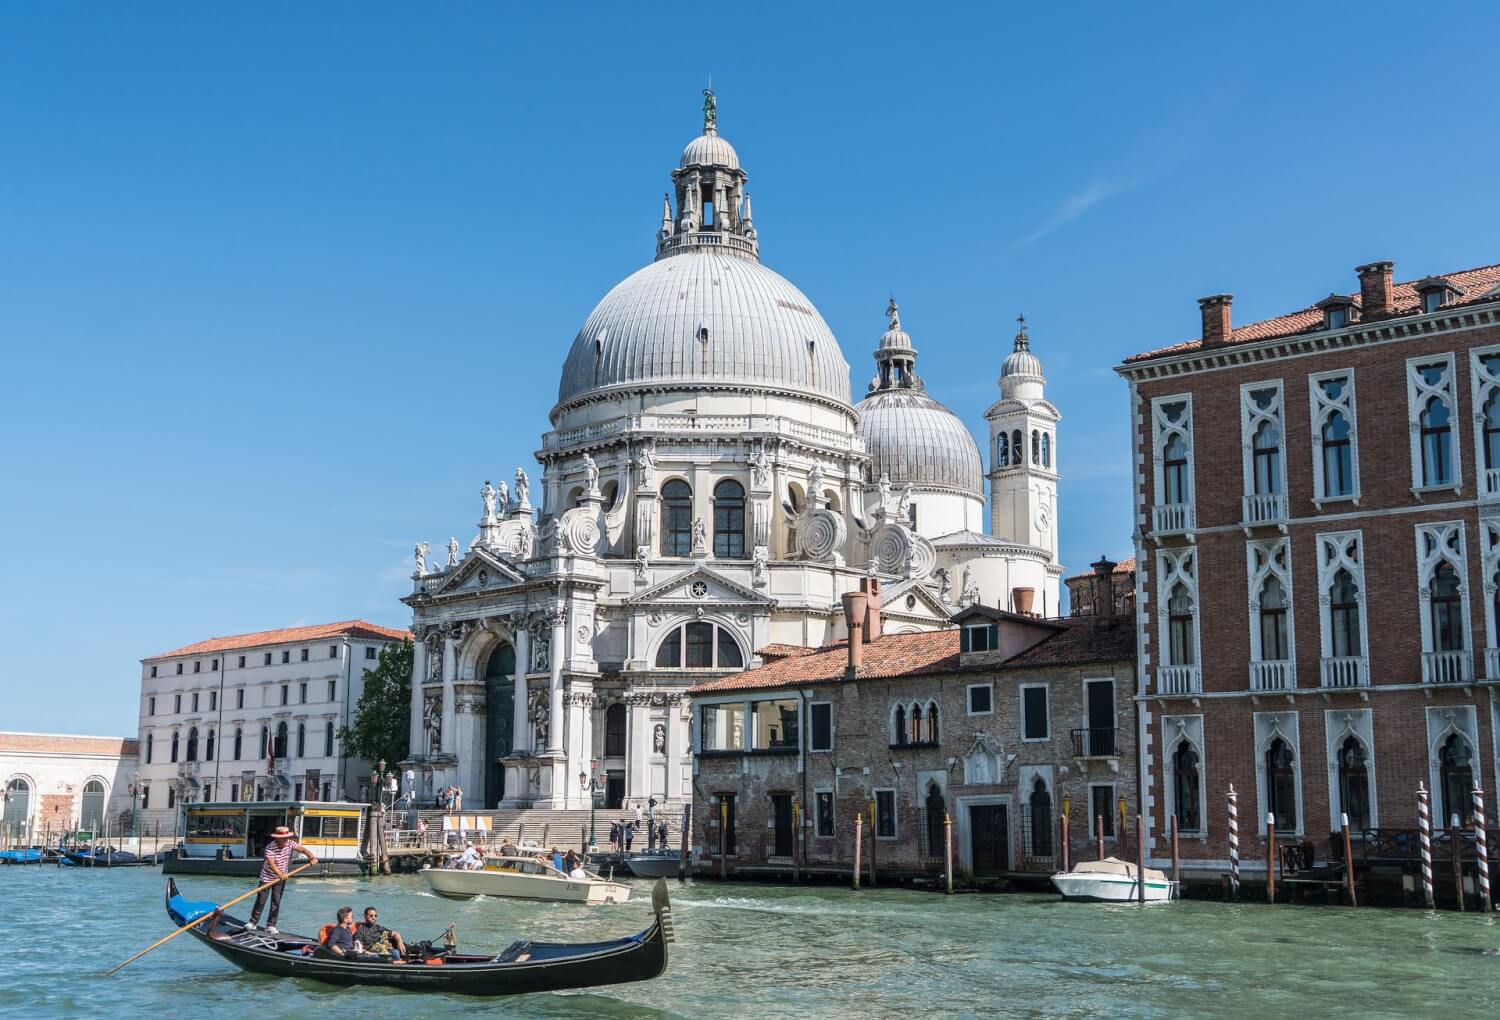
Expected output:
(655, 864)
(523, 878)
(1112, 880)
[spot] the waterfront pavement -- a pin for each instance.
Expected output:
(769, 952)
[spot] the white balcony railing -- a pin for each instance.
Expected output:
(1172, 517)
(1273, 675)
(1447, 667)
(1179, 680)
(1345, 671)
(1492, 663)
(1267, 508)
(1491, 488)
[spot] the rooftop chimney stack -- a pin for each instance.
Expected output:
(1375, 298)
(1216, 327)
(1104, 591)
(854, 619)
(871, 587)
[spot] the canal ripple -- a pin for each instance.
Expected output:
(772, 951)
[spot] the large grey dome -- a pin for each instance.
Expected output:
(705, 318)
(911, 438)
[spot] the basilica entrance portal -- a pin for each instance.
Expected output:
(499, 690)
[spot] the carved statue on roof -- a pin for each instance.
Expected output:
(452, 552)
(591, 473)
(420, 555)
(523, 489)
(710, 111)
(502, 498)
(488, 495)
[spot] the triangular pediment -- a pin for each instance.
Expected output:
(698, 585)
(480, 570)
(925, 602)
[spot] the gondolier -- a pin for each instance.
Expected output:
(278, 860)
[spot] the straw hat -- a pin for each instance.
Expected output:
(281, 832)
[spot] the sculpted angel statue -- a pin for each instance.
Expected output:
(420, 553)
(700, 533)
(591, 472)
(452, 552)
(903, 505)
(488, 494)
(523, 488)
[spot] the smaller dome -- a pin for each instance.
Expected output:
(895, 338)
(1021, 361)
(911, 438)
(708, 149)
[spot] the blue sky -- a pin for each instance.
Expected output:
(282, 284)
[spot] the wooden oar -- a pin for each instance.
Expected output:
(200, 920)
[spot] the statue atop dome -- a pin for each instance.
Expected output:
(710, 112)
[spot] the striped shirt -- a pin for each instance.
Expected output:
(278, 852)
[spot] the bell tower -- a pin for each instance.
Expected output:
(1023, 452)
(712, 206)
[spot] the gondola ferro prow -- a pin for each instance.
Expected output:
(663, 907)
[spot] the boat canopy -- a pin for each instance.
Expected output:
(1115, 866)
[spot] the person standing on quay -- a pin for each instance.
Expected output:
(276, 865)
(629, 834)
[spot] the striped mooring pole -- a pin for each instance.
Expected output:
(1234, 844)
(1424, 836)
(1481, 850)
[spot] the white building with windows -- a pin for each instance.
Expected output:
(53, 783)
(708, 487)
(254, 717)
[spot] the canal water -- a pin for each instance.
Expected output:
(771, 951)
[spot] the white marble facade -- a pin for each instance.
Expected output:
(708, 488)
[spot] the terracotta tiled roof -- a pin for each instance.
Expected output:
(1125, 566)
(784, 651)
(286, 636)
(1074, 641)
(1476, 285)
(60, 743)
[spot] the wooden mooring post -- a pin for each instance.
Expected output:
(1348, 861)
(948, 851)
(682, 859)
(723, 838)
(1270, 858)
(1140, 859)
(1455, 836)
(859, 834)
(796, 841)
(1481, 851)
(1176, 857)
(1062, 824)
(1099, 834)
(872, 842)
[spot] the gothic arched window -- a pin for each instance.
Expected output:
(192, 744)
(1273, 632)
(1185, 787)
(1338, 456)
(1281, 785)
(208, 751)
(699, 645)
(1447, 610)
(1437, 444)
(1354, 783)
(676, 518)
(916, 724)
(278, 750)
(729, 520)
(174, 746)
(1180, 627)
(899, 735)
(1266, 446)
(932, 722)
(1174, 470)
(1343, 614)
(1040, 805)
(1456, 774)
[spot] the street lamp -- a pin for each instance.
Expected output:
(593, 784)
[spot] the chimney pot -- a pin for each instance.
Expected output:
(1216, 328)
(1375, 297)
(1104, 590)
(854, 619)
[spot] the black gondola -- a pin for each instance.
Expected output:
(521, 967)
(108, 858)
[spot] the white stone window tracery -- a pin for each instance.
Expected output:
(1432, 411)
(1443, 594)
(1177, 618)
(916, 722)
(1343, 625)
(1172, 460)
(1263, 446)
(1339, 726)
(1484, 382)
(1335, 436)
(1183, 739)
(1489, 552)
(1273, 653)
(1278, 771)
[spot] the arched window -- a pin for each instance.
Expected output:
(1002, 450)
(1281, 785)
(1437, 444)
(1354, 783)
(1338, 456)
(208, 752)
(1456, 774)
(278, 750)
(150, 742)
(1046, 450)
(92, 815)
(1267, 459)
(302, 740)
(1036, 447)
(899, 734)
(729, 520)
(1492, 431)
(1017, 447)
(1447, 610)
(699, 646)
(937, 811)
(1040, 806)
(916, 724)
(676, 518)
(265, 742)
(614, 730)
(1343, 615)
(1185, 787)
(1180, 627)
(17, 811)
(1174, 470)
(932, 722)
(1273, 634)
(239, 742)
(174, 746)
(328, 740)
(192, 744)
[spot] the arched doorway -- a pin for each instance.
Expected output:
(92, 815)
(499, 707)
(17, 806)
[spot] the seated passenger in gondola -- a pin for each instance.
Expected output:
(343, 942)
(377, 938)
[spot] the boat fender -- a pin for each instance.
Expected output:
(434, 963)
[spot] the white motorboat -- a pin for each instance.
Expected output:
(523, 878)
(655, 863)
(1112, 880)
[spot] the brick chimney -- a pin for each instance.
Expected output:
(1104, 591)
(871, 587)
(1216, 327)
(1375, 298)
(854, 619)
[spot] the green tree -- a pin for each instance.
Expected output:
(383, 716)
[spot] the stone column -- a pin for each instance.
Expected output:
(418, 677)
(450, 674)
(557, 646)
(520, 729)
